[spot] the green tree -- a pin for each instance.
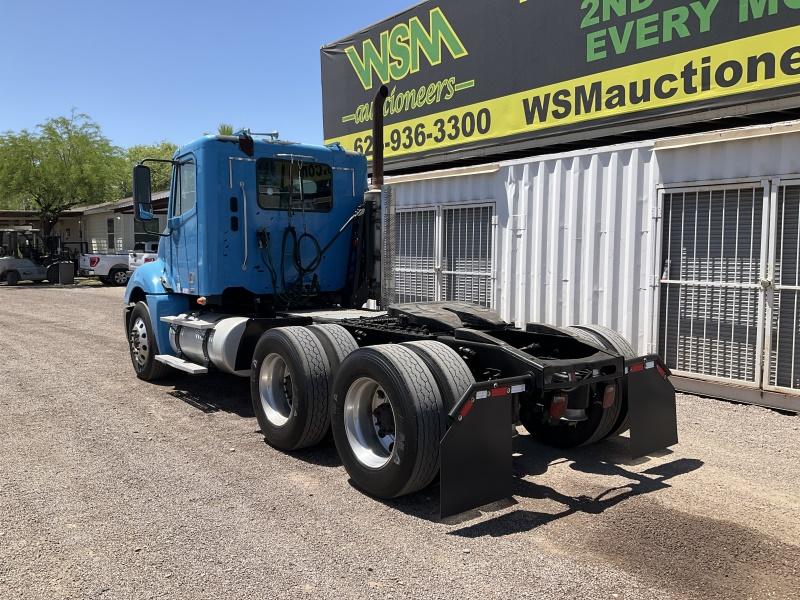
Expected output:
(63, 163)
(161, 172)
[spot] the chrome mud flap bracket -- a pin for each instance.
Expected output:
(651, 406)
(475, 454)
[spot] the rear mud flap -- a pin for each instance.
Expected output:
(651, 406)
(475, 454)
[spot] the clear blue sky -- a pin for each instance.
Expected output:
(148, 70)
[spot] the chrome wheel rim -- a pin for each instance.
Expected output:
(120, 278)
(276, 390)
(140, 344)
(369, 423)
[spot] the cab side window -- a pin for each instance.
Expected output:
(185, 192)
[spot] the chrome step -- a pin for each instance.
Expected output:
(181, 365)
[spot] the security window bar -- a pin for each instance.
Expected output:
(711, 310)
(415, 259)
(445, 253)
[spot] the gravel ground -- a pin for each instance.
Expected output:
(113, 488)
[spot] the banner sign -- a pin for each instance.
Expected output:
(466, 75)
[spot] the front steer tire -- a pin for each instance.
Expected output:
(290, 388)
(143, 346)
(400, 375)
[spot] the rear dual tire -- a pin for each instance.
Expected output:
(385, 405)
(290, 382)
(601, 422)
(389, 414)
(387, 419)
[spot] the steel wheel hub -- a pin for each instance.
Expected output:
(276, 390)
(369, 423)
(140, 344)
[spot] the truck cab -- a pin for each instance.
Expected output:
(256, 221)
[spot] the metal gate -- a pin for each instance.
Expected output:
(445, 253)
(730, 284)
(783, 289)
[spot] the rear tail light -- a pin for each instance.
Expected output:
(609, 395)
(93, 261)
(151, 259)
(558, 406)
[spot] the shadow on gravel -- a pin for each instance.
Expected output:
(222, 393)
(212, 393)
(532, 459)
(609, 458)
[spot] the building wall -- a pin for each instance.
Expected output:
(96, 232)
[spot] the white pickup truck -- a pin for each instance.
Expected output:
(111, 269)
(142, 254)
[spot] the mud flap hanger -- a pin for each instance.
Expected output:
(476, 451)
(475, 454)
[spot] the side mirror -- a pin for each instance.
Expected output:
(142, 196)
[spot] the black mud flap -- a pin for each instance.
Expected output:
(651, 406)
(475, 454)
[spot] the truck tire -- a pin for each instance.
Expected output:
(449, 370)
(337, 341)
(613, 340)
(290, 387)
(600, 421)
(118, 277)
(12, 278)
(143, 345)
(387, 418)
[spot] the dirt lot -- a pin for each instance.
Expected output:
(112, 488)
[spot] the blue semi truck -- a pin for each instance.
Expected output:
(271, 252)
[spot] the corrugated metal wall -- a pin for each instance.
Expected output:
(574, 235)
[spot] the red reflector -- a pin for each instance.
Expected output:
(93, 260)
(637, 367)
(499, 392)
(558, 406)
(661, 371)
(468, 406)
(609, 396)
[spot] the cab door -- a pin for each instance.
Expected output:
(182, 255)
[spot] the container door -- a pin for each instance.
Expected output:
(714, 263)
(183, 257)
(466, 263)
(415, 259)
(782, 365)
(445, 254)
